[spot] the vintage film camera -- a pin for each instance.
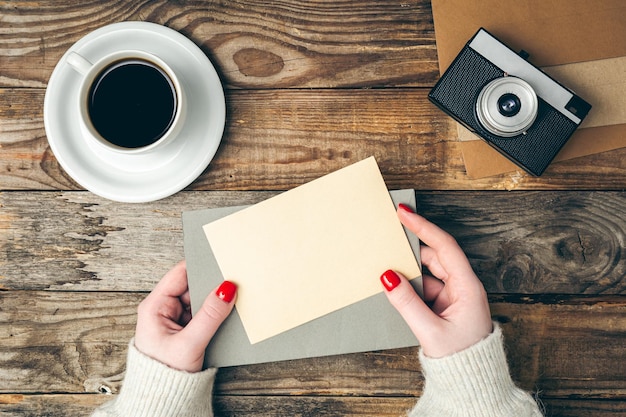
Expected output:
(514, 106)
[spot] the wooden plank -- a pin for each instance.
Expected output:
(522, 242)
(26, 160)
(253, 44)
(75, 405)
(584, 408)
(276, 140)
(73, 241)
(383, 406)
(64, 342)
(302, 406)
(538, 242)
(75, 342)
(51, 405)
(551, 346)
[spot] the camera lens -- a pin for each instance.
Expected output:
(509, 105)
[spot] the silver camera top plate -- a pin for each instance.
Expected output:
(513, 64)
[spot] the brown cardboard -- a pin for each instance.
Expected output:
(481, 160)
(554, 33)
(601, 82)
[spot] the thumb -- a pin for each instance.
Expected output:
(216, 307)
(400, 293)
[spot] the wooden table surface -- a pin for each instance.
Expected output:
(310, 87)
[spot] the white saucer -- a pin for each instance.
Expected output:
(143, 177)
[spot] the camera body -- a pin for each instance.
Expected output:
(511, 104)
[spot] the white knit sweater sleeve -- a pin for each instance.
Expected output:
(473, 383)
(153, 389)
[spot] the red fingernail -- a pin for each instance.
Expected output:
(390, 280)
(226, 291)
(405, 208)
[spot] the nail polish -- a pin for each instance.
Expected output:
(405, 208)
(390, 280)
(226, 291)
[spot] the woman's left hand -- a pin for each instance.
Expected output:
(165, 329)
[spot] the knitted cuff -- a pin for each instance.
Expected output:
(473, 382)
(151, 388)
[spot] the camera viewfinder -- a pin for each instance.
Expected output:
(578, 106)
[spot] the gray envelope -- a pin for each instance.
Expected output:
(371, 324)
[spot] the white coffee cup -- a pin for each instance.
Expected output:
(123, 101)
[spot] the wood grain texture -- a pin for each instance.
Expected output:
(383, 406)
(64, 342)
(279, 139)
(72, 405)
(312, 406)
(253, 44)
(538, 242)
(519, 243)
(64, 241)
(74, 342)
(576, 408)
(310, 87)
(51, 405)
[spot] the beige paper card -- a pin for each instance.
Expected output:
(311, 250)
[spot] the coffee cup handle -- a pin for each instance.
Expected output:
(79, 63)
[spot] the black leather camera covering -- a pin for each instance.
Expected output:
(457, 91)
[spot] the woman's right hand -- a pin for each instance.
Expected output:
(458, 316)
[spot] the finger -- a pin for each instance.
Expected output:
(185, 298)
(427, 232)
(173, 283)
(446, 259)
(216, 307)
(434, 294)
(432, 288)
(430, 260)
(185, 318)
(166, 293)
(403, 297)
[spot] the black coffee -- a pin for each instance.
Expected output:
(132, 103)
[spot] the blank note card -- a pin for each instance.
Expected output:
(311, 250)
